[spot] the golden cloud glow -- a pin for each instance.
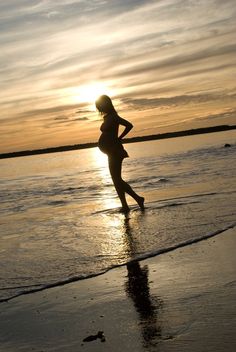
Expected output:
(167, 64)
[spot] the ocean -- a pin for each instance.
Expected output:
(60, 219)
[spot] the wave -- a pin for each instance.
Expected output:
(166, 202)
(200, 195)
(37, 288)
(148, 180)
(148, 206)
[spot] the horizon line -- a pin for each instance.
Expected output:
(166, 135)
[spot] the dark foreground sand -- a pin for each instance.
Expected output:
(184, 300)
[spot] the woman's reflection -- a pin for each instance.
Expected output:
(137, 288)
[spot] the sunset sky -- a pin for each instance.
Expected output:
(168, 64)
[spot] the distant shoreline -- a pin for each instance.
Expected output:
(127, 140)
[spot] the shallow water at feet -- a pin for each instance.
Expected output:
(60, 220)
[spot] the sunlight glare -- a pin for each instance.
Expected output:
(107, 195)
(100, 160)
(90, 92)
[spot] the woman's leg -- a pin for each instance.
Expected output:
(121, 186)
(128, 189)
(115, 171)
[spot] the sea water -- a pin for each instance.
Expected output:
(60, 219)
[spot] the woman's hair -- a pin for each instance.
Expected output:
(104, 104)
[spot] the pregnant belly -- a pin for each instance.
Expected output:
(111, 146)
(105, 143)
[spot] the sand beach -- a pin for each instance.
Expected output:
(183, 300)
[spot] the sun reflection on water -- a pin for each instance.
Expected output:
(108, 194)
(100, 158)
(119, 230)
(116, 244)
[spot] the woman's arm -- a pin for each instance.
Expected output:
(128, 127)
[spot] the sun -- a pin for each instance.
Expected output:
(90, 92)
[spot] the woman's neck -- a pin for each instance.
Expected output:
(105, 115)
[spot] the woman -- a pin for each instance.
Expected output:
(110, 144)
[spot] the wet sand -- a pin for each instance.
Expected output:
(184, 300)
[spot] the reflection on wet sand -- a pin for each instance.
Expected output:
(137, 288)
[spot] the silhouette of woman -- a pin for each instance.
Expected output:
(110, 144)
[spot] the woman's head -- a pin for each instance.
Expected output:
(104, 104)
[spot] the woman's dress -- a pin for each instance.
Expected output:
(109, 143)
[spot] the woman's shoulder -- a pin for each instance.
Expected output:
(112, 118)
(112, 115)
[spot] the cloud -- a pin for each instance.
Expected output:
(151, 53)
(61, 118)
(80, 119)
(175, 101)
(231, 113)
(83, 111)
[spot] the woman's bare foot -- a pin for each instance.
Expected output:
(124, 210)
(140, 202)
